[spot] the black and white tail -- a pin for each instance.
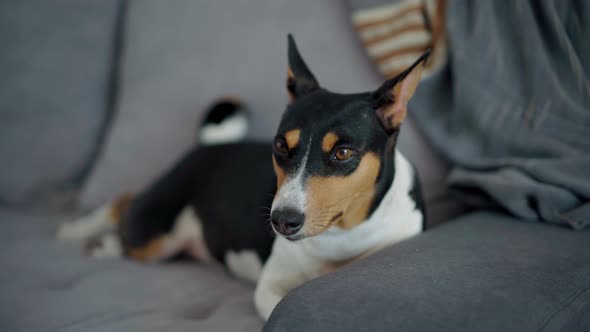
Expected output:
(226, 121)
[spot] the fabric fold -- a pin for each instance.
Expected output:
(509, 101)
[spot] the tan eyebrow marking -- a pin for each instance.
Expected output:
(292, 138)
(329, 141)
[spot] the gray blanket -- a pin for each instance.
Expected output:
(511, 105)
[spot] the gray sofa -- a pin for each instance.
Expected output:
(97, 99)
(481, 272)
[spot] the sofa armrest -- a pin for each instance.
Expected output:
(483, 271)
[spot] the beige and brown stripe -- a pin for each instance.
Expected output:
(395, 35)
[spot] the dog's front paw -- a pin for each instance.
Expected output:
(265, 300)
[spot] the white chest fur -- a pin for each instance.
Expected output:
(292, 263)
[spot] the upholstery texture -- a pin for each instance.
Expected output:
(482, 272)
(55, 63)
(48, 286)
(510, 107)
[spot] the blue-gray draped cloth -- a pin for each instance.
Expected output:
(510, 106)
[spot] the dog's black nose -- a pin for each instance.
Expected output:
(287, 221)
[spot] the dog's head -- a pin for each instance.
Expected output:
(333, 153)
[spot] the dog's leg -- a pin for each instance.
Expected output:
(102, 220)
(97, 230)
(280, 274)
(153, 226)
(185, 237)
(266, 298)
(89, 226)
(244, 264)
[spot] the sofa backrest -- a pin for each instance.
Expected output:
(54, 95)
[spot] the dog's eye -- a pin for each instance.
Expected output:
(281, 146)
(343, 154)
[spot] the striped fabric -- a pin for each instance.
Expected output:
(396, 34)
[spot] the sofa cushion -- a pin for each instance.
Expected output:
(55, 64)
(50, 286)
(482, 272)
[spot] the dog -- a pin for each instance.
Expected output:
(335, 188)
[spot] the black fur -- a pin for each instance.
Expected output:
(230, 186)
(353, 120)
(233, 196)
(416, 195)
(352, 117)
(303, 80)
(221, 111)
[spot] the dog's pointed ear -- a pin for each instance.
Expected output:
(391, 99)
(300, 80)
